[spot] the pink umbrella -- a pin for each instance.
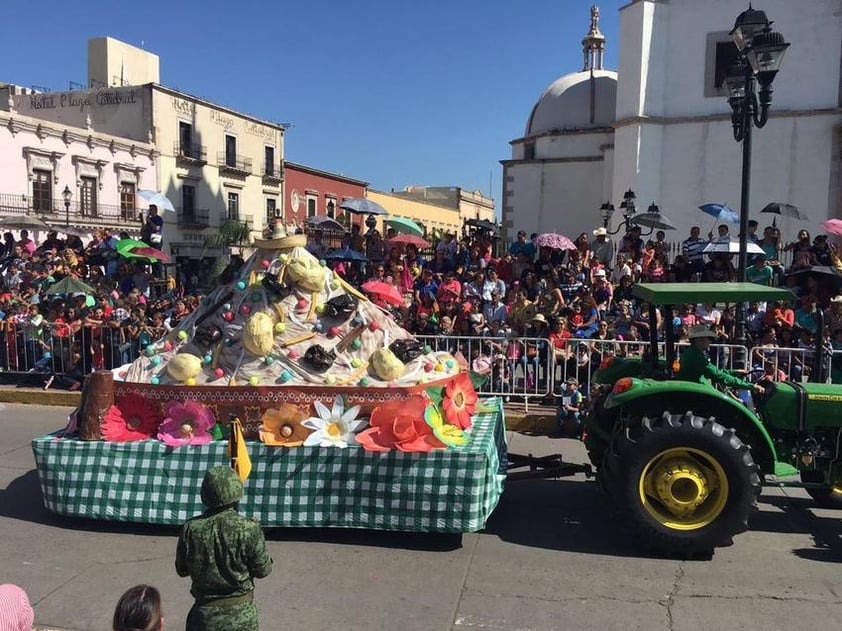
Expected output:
(554, 241)
(833, 226)
(384, 291)
(409, 239)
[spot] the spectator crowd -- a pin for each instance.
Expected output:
(498, 306)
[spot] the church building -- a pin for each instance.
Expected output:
(660, 125)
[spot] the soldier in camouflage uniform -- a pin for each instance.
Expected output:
(222, 552)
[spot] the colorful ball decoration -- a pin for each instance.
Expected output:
(219, 373)
(228, 316)
(167, 346)
(154, 381)
(268, 360)
(156, 360)
(280, 327)
(284, 258)
(428, 367)
(356, 363)
(439, 367)
(265, 264)
(335, 284)
(293, 354)
(182, 335)
(334, 331)
(245, 309)
(322, 262)
(364, 382)
(356, 321)
(302, 304)
(450, 364)
(254, 380)
(330, 379)
(320, 308)
(373, 325)
(356, 344)
(285, 376)
(191, 381)
(428, 349)
(241, 284)
(318, 327)
(207, 359)
(150, 351)
(226, 306)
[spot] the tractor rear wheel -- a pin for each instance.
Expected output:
(683, 483)
(824, 496)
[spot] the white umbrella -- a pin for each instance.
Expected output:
(730, 246)
(158, 199)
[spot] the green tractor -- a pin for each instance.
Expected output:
(683, 463)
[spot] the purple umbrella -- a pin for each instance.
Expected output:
(554, 241)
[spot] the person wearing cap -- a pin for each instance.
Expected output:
(694, 364)
(602, 248)
(222, 552)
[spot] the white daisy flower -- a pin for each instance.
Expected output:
(334, 427)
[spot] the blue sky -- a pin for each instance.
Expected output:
(388, 91)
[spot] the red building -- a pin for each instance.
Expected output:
(310, 192)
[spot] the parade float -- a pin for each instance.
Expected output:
(348, 420)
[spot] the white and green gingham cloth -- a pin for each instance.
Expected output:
(453, 490)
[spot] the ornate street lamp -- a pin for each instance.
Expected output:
(761, 51)
(66, 194)
(652, 218)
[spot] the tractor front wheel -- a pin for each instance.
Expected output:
(824, 496)
(683, 483)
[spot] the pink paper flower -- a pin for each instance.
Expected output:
(186, 423)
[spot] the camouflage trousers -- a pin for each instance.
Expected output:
(241, 617)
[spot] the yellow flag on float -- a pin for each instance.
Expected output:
(237, 451)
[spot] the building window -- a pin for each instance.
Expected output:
(230, 151)
(720, 53)
(330, 208)
(311, 206)
(188, 202)
(87, 197)
(234, 206)
(529, 151)
(269, 161)
(185, 139)
(271, 210)
(128, 210)
(42, 191)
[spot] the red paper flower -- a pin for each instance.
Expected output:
(187, 423)
(400, 425)
(132, 418)
(460, 401)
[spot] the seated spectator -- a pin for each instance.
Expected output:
(139, 609)
(571, 409)
(590, 318)
(15, 610)
(495, 311)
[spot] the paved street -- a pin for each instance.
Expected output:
(549, 559)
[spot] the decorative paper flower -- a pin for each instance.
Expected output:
(448, 434)
(132, 418)
(186, 423)
(334, 427)
(460, 401)
(282, 426)
(400, 425)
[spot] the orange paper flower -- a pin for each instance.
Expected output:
(282, 426)
(400, 425)
(460, 401)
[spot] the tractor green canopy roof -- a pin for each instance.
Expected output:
(697, 293)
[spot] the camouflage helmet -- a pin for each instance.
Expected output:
(221, 487)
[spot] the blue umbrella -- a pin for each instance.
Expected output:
(721, 212)
(363, 206)
(345, 254)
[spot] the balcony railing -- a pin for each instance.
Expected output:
(193, 217)
(190, 153)
(55, 212)
(236, 164)
(273, 173)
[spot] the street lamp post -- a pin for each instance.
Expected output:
(761, 51)
(66, 194)
(627, 206)
(652, 218)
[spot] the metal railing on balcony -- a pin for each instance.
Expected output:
(273, 172)
(234, 163)
(55, 212)
(190, 153)
(236, 216)
(195, 217)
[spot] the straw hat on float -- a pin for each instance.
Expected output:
(280, 239)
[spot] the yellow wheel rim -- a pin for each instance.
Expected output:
(684, 488)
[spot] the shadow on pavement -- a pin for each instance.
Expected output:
(427, 542)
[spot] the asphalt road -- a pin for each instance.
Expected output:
(550, 558)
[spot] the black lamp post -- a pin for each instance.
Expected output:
(628, 207)
(761, 51)
(66, 194)
(652, 218)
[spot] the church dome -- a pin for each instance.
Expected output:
(566, 103)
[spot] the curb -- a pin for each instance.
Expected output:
(540, 420)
